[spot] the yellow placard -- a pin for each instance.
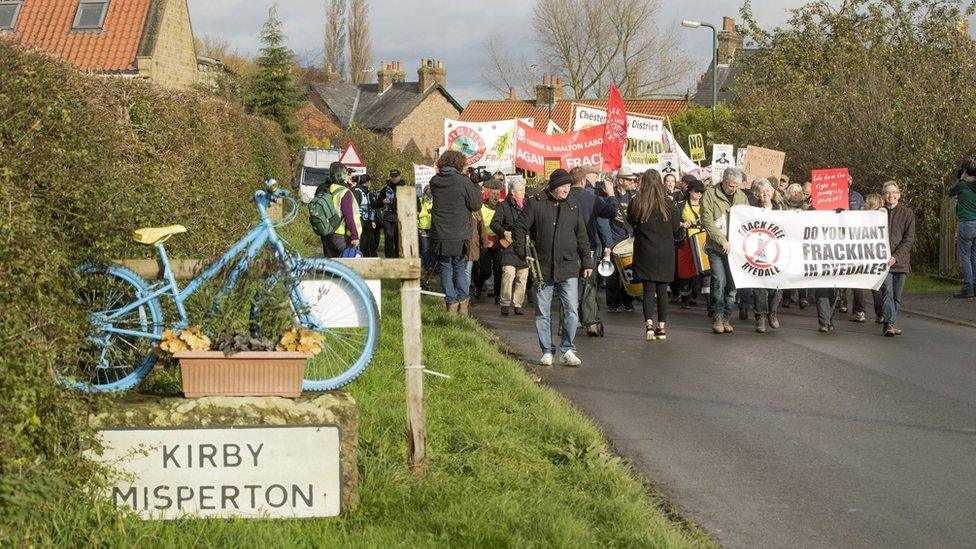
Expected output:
(550, 165)
(697, 146)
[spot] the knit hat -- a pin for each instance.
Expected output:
(558, 178)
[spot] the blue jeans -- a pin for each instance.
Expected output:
(454, 277)
(569, 297)
(967, 253)
(891, 292)
(721, 297)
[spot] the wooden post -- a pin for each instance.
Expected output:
(412, 341)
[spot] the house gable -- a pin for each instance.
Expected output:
(167, 54)
(422, 128)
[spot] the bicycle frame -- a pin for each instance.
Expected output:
(253, 242)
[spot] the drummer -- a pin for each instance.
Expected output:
(616, 230)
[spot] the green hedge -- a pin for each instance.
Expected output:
(84, 160)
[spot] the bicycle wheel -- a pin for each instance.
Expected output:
(110, 360)
(333, 300)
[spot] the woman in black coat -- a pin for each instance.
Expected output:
(656, 222)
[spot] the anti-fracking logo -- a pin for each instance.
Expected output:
(467, 142)
(764, 248)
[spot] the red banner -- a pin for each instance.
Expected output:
(614, 131)
(533, 147)
(830, 189)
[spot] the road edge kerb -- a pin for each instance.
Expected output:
(673, 512)
(931, 316)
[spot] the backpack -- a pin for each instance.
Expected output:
(323, 215)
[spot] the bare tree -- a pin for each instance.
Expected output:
(335, 35)
(606, 42)
(503, 71)
(360, 43)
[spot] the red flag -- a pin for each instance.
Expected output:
(614, 131)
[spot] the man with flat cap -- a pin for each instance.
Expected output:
(554, 223)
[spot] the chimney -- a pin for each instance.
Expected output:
(431, 72)
(389, 74)
(511, 94)
(729, 40)
(550, 85)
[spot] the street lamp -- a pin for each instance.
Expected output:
(687, 23)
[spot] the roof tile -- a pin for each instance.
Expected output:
(46, 25)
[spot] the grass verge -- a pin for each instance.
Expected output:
(511, 464)
(922, 283)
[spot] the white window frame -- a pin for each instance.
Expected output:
(101, 20)
(17, 4)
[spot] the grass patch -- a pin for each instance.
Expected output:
(511, 464)
(922, 283)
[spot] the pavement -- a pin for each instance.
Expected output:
(942, 306)
(791, 438)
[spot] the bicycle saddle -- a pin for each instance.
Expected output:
(153, 235)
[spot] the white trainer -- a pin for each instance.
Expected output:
(546, 359)
(569, 358)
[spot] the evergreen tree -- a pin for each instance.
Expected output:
(273, 92)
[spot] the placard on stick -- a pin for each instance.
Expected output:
(830, 189)
(761, 162)
(723, 158)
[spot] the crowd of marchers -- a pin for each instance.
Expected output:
(489, 235)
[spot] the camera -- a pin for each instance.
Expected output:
(479, 174)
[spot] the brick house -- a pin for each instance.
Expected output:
(410, 113)
(550, 106)
(149, 39)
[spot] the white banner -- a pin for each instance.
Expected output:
(489, 144)
(422, 175)
(808, 249)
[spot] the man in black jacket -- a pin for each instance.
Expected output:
(554, 223)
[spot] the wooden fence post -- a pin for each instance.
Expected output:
(412, 342)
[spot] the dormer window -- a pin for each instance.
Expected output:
(90, 15)
(8, 14)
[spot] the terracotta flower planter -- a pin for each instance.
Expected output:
(249, 373)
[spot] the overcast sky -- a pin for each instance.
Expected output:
(454, 32)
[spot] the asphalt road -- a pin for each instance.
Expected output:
(792, 438)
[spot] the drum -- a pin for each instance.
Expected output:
(623, 256)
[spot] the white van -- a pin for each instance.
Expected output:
(313, 170)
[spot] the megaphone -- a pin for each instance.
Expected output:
(605, 268)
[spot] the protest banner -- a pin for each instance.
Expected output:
(788, 249)
(723, 157)
(422, 175)
(762, 162)
(830, 189)
(696, 145)
(669, 165)
(582, 148)
(644, 135)
(489, 144)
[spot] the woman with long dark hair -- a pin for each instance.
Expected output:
(656, 222)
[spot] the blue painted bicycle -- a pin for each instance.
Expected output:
(127, 316)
